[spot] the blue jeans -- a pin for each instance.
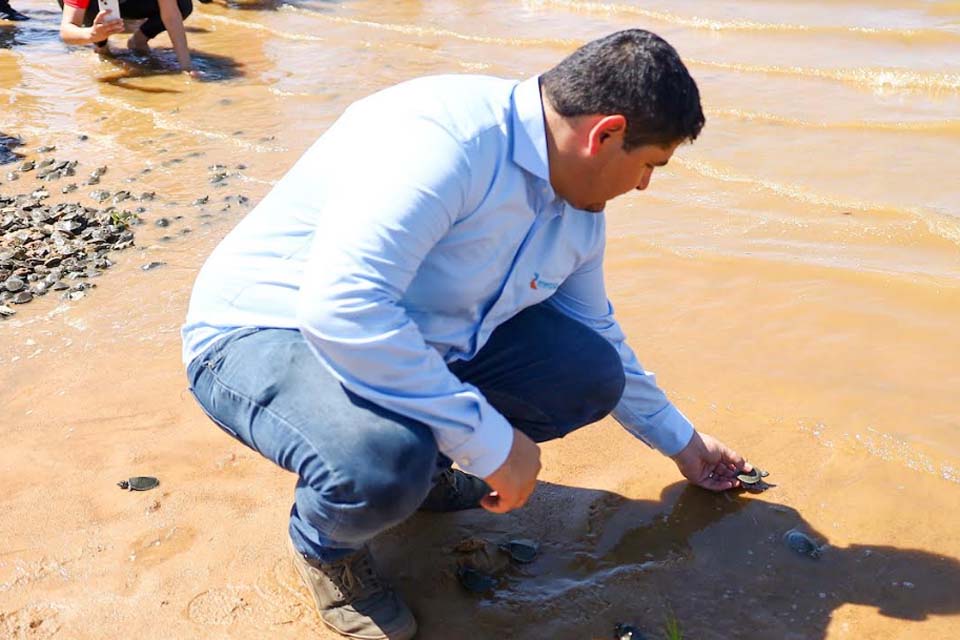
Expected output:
(363, 469)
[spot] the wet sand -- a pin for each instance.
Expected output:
(793, 278)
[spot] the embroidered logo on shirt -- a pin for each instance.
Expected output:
(538, 283)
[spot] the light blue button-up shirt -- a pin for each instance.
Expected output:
(417, 224)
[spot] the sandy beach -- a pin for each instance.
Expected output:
(793, 278)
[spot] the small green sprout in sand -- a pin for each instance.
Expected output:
(122, 218)
(671, 627)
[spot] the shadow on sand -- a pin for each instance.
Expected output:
(8, 144)
(163, 62)
(718, 563)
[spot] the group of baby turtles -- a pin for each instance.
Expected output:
(47, 248)
(476, 571)
(61, 247)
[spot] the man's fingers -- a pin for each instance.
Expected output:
(724, 471)
(732, 457)
(496, 502)
(492, 503)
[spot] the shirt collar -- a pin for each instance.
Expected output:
(529, 132)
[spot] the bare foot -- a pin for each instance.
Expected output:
(138, 43)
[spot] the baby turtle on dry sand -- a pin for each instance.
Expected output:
(627, 632)
(139, 483)
(803, 544)
(474, 581)
(522, 551)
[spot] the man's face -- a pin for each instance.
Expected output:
(612, 172)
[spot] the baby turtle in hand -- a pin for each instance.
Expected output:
(754, 480)
(627, 632)
(522, 551)
(139, 483)
(803, 544)
(475, 581)
(753, 477)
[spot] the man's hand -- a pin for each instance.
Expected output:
(515, 479)
(105, 25)
(707, 462)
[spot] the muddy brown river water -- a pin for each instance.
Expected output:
(793, 277)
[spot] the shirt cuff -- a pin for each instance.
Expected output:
(486, 449)
(668, 431)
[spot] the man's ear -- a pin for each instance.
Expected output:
(606, 129)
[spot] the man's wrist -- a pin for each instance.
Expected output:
(486, 450)
(693, 437)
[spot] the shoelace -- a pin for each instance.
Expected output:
(357, 578)
(449, 479)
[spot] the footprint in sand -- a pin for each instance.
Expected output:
(282, 591)
(221, 607)
(30, 623)
(274, 601)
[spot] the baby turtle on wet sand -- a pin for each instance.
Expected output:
(752, 477)
(754, 480)
(522, 551)
(475, 581)
(803, 544)
(139, 483)
(627, 632)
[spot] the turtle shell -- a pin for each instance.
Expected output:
(627, 632)
(475, 581)
(142, 483)
(803, 544)
(753, 477)
(522, 551)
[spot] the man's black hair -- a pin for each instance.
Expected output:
(633, 73)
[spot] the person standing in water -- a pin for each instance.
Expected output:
(425, 286)
(84, 23)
